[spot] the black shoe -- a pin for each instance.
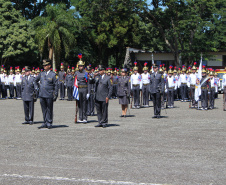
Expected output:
(43, 126)
(124, 116)
(121, 116)
(99, 125)
(31, 122)
(26, 122)
(104, 126)
(154, 116)
(158, 117)
(49, 127)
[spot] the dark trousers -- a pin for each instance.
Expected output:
(114, 90)
(62, 90)
(102, 112)
(156, 98)
(82, 103)
(163, 99)
(90, 108)
(212, 97)
(47, 110)
(11, 90)
(29, 110)
(183, 89)
(0, 90)
(4, 91)
(204, 98)
(192, 89)
(18, 90)
(69, 92)
(145, 94)
(170, 96)
(136, 95)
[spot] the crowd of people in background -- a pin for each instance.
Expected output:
(157, 84)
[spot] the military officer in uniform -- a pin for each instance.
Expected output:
(192, 82)
(91, 103)
(48, 93)
(28, 87)
(115, 82)
(183, 82)
(224, 90)
(145, 81)
(136, 86)
(103, 91)
(123, 91)
(18, 80)
(83, 90)
(11, 82)
(212, 89)
(204, 90)
(61, 79)
(156, 89)
(69, 84)
(170, 88)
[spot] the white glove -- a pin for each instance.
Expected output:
(165, 90)
(208, 92)
(87, 96)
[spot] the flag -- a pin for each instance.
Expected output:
(198, 86)
(75, 89)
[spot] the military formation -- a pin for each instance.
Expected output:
(92, 88)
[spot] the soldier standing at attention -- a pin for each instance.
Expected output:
(90, 105)
(170, 88)
(204, 90)
(69, 84)
(48, 93)
(183, 81)
(156, 89)
(224, 91)
(28, 87)
(192, 82)
(18, 80)
(136, 86)
(61, 79)
(123, 91)
(145, 80)
(103, 90)
(11, 82)
(83, 90)
(115, 82)
(212, 88)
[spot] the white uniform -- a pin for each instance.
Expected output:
(136, 85)
(145, 81)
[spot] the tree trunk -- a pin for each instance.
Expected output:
(54, 61)
(176, 57)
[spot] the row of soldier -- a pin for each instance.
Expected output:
(162, 85)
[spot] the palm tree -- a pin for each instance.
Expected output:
(55, 31)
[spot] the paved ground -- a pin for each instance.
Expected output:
(186, 146)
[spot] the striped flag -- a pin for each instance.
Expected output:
(75, 89)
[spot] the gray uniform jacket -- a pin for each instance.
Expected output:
(156, 83)
(103, 87)
(124, 86)
(70, 80)
(28, 88)
(48, 85)
(61, 76)
(83, 79)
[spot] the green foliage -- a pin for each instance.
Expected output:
(55, 30)
(15, 33)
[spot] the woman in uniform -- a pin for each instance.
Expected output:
(124, 91)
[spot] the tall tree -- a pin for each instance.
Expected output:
(55, 32)
(15, 34)
(111, 26)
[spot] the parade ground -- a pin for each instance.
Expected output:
(185, 146)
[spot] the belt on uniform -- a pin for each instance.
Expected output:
(135, 85)
(171, 87)
(203, 87)
(3, 82)
(192, 85)
(212, 87)
(11, 83)
(115, 83)
(18, 83)
(61, 80)
(145, 84)
(82, 86)
(183, 83)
